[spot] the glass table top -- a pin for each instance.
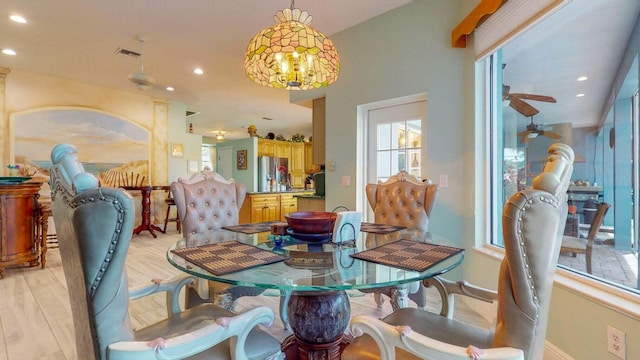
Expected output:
(312, 266)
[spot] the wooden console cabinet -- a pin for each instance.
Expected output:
(19, 243)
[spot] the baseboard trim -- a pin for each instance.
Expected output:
(552, 352)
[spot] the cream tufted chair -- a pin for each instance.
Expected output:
(406, 201)
(207, 201)
(94, 226)
(533, 222)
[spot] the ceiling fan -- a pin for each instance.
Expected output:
(533, 130)
(516, 100)
(142, 80)
(517, 103)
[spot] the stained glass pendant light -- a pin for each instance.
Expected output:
(291, 54)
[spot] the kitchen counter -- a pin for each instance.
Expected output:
(309, 196)
(294, 191)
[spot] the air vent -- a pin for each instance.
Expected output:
(131, 53)
(192, 113)
(266, 118)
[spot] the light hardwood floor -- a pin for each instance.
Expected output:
(35, 315)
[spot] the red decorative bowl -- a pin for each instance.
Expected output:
(311, 222)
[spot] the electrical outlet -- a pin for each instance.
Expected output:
(444, 181)
(616, 342)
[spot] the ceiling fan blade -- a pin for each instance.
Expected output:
(524, 133)
(534, 97)
(549, 134)
(522, 107)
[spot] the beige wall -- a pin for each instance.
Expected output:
(25, 91)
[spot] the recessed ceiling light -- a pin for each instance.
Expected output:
(580, 95)
(18, 19)
(8, 52)
(582, 78)
(170, 88)
(198, 71)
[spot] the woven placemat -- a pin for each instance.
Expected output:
(227, 257)
(408, 254)
(251, 228)
(379, 228)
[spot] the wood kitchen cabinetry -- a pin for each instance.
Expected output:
(19, 243)
(295, 152)
(266, 147)
(296, 165)
(288, 204)
(309, 166)
(259, 208)
(268, 206)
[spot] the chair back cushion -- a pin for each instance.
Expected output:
(533, 222)
(207, 201)
(94, 227)
(597, 221)
(402, 200)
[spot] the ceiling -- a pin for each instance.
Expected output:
(78, 39)
(584, 38)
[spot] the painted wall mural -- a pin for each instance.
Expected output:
(112, 148)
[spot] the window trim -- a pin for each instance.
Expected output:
(621, 301)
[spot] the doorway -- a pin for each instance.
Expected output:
(394, 134)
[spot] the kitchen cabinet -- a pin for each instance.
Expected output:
(259, 208)
(288, 204)
(309, 166)
(266, 147)
(19, 243)
(269, 206)
(296, 165)
(318, 131)
(283, 149)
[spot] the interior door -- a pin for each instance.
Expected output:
(225, 161)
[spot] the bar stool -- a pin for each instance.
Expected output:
(170, 202)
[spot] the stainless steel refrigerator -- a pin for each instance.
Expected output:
(273, 174)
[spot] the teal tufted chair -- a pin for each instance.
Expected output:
(533, 222)
(94, 226)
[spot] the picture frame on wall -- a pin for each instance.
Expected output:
(177, 150)
(242, 159)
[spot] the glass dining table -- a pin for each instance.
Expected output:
(313, 274)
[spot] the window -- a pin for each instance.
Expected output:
(609, 163)
(208, 157)
(396, 140)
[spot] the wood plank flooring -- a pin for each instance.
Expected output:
(35, 315)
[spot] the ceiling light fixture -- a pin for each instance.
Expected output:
(198, 71)
(8, 52)
(532, 135)
(18, 19)
(170, 88)
(220, 135)
(291, 54)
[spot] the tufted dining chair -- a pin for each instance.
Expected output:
(94, 226)
(207, 201)
(405, 201)
(533, 222)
